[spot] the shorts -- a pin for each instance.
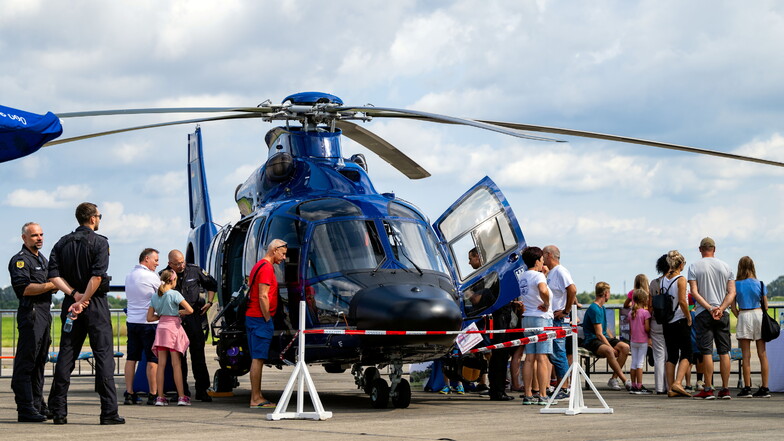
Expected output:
(749, 324)
(542, 347)
(677, 339)
(595, 344)
(260, 333)
(709, 330)
(140, 338)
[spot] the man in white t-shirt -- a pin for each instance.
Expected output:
(140, 285)
(712, 285)
(560, 282)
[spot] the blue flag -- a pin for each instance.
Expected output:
(23, 133)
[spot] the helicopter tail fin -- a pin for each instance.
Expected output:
(202, 228)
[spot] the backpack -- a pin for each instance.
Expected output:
(663, 310)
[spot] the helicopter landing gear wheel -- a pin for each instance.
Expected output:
(224, 381)
(401, 398)
(379, 393)
(370, 375)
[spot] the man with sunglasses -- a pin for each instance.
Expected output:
(77, 267)
(192, 281)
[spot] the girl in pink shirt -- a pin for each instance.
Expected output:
(640, 329)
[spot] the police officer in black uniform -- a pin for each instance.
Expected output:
(28, 269)
(77, 267)
(191, 282)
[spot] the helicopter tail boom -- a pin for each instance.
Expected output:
(202, 228)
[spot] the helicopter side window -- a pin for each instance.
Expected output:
(344, 245)
(252, 244)
(291, 231)
(414, 246)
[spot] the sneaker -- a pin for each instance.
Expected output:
(129, 398)
(762, 392)
(460, 389)
(481, 388)
(689, 389)
(700, 385)
(644, 391)
(542, 401)
(614, 384)
(628, 385)
(527, 401)
(745, 392)
(724, 394)
(184, 401)
(150, 399)
(563, 394)
(705, 394)
(161, 401)
(445, 390)
(634, 391)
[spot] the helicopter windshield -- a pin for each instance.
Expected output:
(414, 246)
(344, 245)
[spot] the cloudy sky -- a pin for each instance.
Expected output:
(705, 73)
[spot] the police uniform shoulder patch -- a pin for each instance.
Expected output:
(20, 264)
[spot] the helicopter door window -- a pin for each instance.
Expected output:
(481, 295)
(476, 208)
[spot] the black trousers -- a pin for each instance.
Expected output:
(193, 329)
(34, 322)
(96, 322)
(496, 371)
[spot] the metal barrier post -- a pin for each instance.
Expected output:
(576, 402)
(302, 376)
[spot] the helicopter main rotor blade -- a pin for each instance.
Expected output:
(154, 110)
(384, 149)
(150, 126)
(616, 138)
(382, 112)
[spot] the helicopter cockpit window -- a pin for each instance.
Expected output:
(344, 245)
(321, 209)
(399, 210)
(414, 246)
(330, 298)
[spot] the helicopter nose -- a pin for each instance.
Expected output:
(405, 308)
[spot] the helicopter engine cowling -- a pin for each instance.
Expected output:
(279, 167)
(406, 307)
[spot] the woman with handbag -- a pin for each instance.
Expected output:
(749, 306)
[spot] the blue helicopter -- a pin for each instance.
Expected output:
(358, 258)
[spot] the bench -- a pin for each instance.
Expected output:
(735, 355)
(588, 360)
(84, 356)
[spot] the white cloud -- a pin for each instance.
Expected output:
(62, 196)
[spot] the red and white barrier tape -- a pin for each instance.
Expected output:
(549, 335)
(375, 332)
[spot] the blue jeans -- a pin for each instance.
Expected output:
(558, 357)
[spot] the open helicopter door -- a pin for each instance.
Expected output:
(483, 242)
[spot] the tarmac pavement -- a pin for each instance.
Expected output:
(431, 416)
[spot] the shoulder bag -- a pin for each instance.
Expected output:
(770, 327)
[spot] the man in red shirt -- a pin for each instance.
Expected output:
(262, 304)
